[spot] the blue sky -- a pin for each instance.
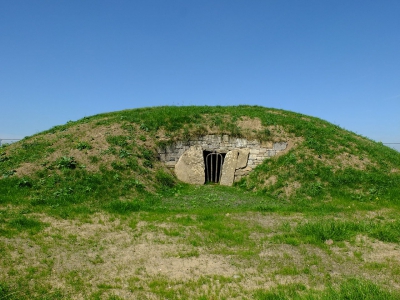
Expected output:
(336, 60)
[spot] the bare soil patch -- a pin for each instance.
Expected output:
(250, 124)
(128, 255)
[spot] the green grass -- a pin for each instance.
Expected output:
(349, 289)
(102, 205)
(132, 153)
(239, 237)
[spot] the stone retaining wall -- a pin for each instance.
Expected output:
(257, 152)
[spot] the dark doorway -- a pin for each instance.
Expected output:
(213, 162)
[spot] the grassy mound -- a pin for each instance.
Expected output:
(87, 211)
(113, 157)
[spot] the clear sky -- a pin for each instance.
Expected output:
(67, 59)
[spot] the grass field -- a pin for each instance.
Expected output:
(88, 212)
(207, 242)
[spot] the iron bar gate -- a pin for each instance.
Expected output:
(213, 164)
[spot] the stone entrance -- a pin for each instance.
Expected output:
(240, 157)
(213, 162)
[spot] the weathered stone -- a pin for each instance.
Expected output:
(262, 150)
(253, 156)
(190, 166)
(267, 144)
(229, 168)
(170, 164)
(241, 143)
(242, 158)
(255, 153)
(280, 146)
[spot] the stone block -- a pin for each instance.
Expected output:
(262, 150)
(190, 166)
(253, 156)
(254, 151)
(280, 146)
(253, 143)
(229, 168)
(242, 158)
(214, 137)
(240, 143)
(170, 164)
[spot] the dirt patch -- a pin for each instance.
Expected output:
(271, 181)
(151, 251)
(269, 220)
(130, 256)
(380, 251)
(346, 160)
(27, 169)
(291, 188)
(251, 124)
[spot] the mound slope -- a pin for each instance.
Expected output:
(115, 156)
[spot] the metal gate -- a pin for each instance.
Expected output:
(213, 164)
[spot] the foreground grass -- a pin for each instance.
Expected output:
(206, 242)
(88, 211)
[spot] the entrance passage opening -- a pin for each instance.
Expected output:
(213, 162)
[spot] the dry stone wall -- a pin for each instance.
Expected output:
(245, 156)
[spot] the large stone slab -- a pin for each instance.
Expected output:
(242, 158)
(229, 168)
(190, 166)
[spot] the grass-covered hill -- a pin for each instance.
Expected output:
(88, 211)
(113, 156)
